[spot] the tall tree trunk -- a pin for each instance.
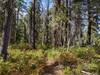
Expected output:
(25, 34)
(79, 27)
(90, 23)
(68, 25)
(13, 29)
(33, 24)
(30, 27)
(46, 25)
(7, 27)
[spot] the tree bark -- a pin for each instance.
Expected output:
(13, 29)
(90, 23)
(68, 25)
(7, 27)
(46, 25)
(33, 30)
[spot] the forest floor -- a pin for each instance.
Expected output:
(55, 61)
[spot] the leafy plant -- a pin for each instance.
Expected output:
(84, 52)
(68, 59)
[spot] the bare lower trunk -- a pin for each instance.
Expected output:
(34, 23)
(90, 23)
(13, 29)
(7, 27)
(46, 26)
(30, 27)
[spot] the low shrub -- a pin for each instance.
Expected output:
(68, 71)
(21, 46)
(78, 70)
(24, 46)
(98, 68)
(30, 62)
(69, 59)
(84, 52)
(5, 67)
(97, 45)
(93, 67)
(90, 67)
(53, 54)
